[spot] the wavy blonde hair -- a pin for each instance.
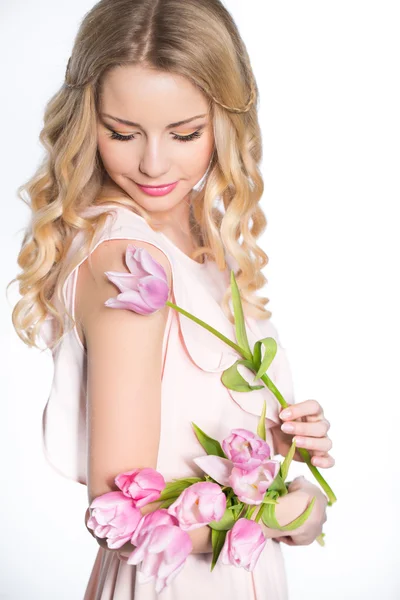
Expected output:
(199, 40)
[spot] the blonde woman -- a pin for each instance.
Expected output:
(153, 142)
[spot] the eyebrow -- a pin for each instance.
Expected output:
(170, 126)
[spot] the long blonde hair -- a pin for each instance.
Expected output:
(199, 40)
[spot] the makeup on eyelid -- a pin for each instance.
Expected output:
(181, 137)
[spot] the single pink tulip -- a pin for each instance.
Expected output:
(198, 505)
(142, 485)
(246, 449)
(161, 555)
(145, 289)
(149, 522)
(115, 517)
(250, 486)
(243, 544)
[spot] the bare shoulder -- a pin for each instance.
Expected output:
(93, 287)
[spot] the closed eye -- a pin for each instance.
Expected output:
(181, 138)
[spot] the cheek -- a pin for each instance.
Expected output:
(113, 154)
(196, 158)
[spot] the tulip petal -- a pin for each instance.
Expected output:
(154, 291)
(139, 260)
(108, 500)
(123, 281)
(217, 467)
(130, 300)
(132, 260)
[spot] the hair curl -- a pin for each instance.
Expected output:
(71, 177)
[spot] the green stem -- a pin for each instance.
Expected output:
(221, 336)
(243, 512)
(258, 515)
(270, 385)
(250, 510)
(302, 451)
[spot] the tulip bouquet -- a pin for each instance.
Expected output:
(145, 290)
(239, 477)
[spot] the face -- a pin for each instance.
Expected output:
(154, 129)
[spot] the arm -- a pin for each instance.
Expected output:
(289, 507)
(124, 361)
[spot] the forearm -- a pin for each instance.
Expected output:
(288, 508)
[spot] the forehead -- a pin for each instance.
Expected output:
(145, 95)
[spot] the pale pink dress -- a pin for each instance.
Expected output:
(193, 360)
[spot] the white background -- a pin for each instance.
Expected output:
(328, 74)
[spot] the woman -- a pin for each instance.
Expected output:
(155, 124)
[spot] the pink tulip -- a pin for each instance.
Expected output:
(246, 449)
(144, 289)
(114, 517)
(142, 485)
(149, 522)
(217, 467)
(162, 554)
(198, 505)
(243, 544)
(250, 486)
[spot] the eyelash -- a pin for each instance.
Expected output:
(187, 138)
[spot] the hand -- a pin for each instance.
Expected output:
(310, 429)
(312, 528)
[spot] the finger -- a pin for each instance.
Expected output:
(316, 429)
(286, 539)
(325, 461)
(310, 443)
(309, 408)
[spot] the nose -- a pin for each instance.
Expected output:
(154, 163)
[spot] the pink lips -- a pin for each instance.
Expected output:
(158, 190)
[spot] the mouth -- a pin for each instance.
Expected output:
(163, 185)
(158, 190)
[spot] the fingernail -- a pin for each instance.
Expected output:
(285, 413)
(287, 427)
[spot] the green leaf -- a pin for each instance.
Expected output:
(261, 423)
(226, 523)
(233, 380)
(269, 517)
(278, 485)
(236, 509)
(240, 328)
(175, 488)
(168, 502)
(268, 500)
(217, 541)
(273, 494)
(288, 459)
(228, 520)
(271, 348)
(257, 356)
(210, 445)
